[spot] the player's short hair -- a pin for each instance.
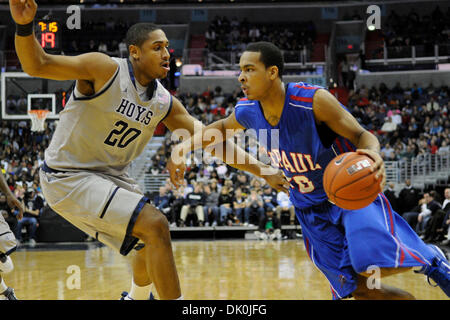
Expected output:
(138, 33)
(271, 55)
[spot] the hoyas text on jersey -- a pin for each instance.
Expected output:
(135, 112)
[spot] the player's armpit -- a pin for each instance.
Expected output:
(327, 109)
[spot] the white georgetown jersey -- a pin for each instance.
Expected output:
(106, 131)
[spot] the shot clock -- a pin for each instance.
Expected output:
(48, 34)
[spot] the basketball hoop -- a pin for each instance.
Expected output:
(38, 119)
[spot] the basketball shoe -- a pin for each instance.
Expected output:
(439, 270)
(125, 296)
(8, 294)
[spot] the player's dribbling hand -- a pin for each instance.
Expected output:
(278, 181)
(23, 11)
(176, 166)
(378, 166)
(14, 202)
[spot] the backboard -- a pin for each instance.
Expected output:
(21, 93)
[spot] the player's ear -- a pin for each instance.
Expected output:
(134, 52)
(273, 72)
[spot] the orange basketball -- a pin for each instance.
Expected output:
(349, 183)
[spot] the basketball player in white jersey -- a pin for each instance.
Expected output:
(8, 243)
(110, 117)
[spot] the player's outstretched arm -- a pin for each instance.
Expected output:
(95, 67)
(213, 138)
(10, 198)
(327, 109)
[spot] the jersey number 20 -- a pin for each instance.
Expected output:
(121, 136)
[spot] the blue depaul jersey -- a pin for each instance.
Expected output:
(296, 144)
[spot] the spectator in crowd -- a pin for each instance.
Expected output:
(162, 202)
(411, 216)
(432, 105)
(269, 226)
(419, 218)
(344, 69)
(390, 194)
(92, 46)
(239, 206)
(388, 125)
(241, 181)
(123, 49)
(194, 200)
(225, 204)
(211, 208)
(444, 148)
(254, 209)
(446, 222)
(433, 229)
(102, 47)
(409, 197)
(33, 205)
(176, 203)
(269, 197)
(285, 209)
(201, 177)
(432, 206)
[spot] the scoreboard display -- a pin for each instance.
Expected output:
(48, 34)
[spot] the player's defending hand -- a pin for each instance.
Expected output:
(23, 11)
(378, 166)
(278, 181)
(176, 166)
(13, 202)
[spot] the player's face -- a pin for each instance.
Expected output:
(154, 55)
(255, 77)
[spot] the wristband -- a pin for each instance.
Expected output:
(25, 30)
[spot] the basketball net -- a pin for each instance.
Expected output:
(38, 119)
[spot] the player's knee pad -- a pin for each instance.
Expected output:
(6, 264)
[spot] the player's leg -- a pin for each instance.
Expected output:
(6, 266)
(378, 237)
(118, 216)
(200, 215)
(8, 245)
(292, 215)
(152, 228)
(141, 284)
(326, 246)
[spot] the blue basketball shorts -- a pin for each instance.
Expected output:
(343, 243)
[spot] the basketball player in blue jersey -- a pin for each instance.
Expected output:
(110, 117)
(304, 128)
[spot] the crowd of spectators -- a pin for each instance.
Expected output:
(224, 35)
(230, 198)
(428, 213)
(105, 35)
(407, 121)
(21, 155)
(416, 29)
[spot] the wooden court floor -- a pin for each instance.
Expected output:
(216, 270)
